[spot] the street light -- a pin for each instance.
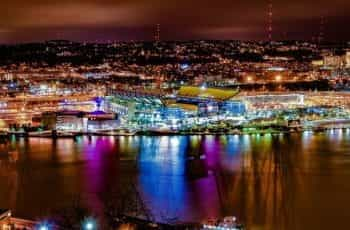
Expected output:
(278, 78)
(89, 224)
(43, 226)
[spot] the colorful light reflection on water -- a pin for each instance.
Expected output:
(297, 181)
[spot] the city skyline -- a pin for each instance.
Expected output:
(37, 20)
(203, 115)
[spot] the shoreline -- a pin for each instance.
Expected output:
(165, 133)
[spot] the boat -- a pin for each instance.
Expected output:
(227, 223)
(46, 133)
(51, 134)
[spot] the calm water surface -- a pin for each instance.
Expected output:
(297, 181)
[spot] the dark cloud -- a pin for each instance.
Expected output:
(28, 20)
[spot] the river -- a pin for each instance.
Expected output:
(286, 181)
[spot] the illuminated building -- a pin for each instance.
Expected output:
(181, 109)
(232, 107)
(73, 120)
(6, 77)
(271, 101)
(333, 61)
(70, 120)
(317, 63)
(98, 120)
(347, 59)
(211, 101)
(48, 120)
(8, 222)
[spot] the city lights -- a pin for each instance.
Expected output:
(131, 126)
(278, 77)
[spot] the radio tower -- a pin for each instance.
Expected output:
(157, 33)
(270, 21)
(321, 31)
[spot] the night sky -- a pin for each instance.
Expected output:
(103, 20)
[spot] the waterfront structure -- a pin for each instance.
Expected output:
(70, 120)
(79, 121)
(188, 106)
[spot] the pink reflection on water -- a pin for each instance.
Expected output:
(100, 169)
(212, 150)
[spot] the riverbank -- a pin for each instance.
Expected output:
(244, 131)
